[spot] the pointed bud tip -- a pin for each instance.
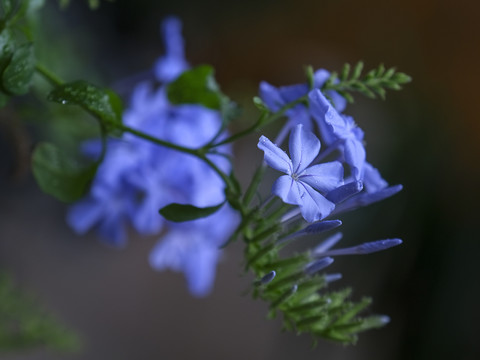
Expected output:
(384, 319)
(318, 265)
(268, 277)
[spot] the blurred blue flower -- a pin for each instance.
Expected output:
(137, 177)
(173, 63)
(303, 185)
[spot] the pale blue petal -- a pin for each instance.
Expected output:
(323, 177)
(365, 198)
(313, 205)
(288, 190)
(200, 270)
(372, 179)
(173, 63)
(274, 156)
(84, 215)
(271, 96)
(324, 112)
(355, 156)
(319, 78)
(290, 93)
(344, 192)
(304, 147)
(338, 100)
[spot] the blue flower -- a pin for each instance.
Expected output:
(137, 178)
(341, 129)
(303, 185)
(173, 63)
(193, 248)
(275, 98)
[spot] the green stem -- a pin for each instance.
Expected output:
(262, 121)
(157, 141)
(49, 76)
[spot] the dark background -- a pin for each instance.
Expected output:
(425, 137)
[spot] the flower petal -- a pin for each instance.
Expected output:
(372, 179)
(304, 147)
(274, 156)
(323, 177)
(355, 157)
(287, 189)
(271, 96)
(314, 206)
(323, 111)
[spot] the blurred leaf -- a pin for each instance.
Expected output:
(18, 74)
(6, 7)
(104, 104)
(196, 86)
(59, 175)
(184, 212)
(25, 326)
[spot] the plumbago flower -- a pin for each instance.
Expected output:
(137, 178)
(339, 132)
(303, 185)
(276, 98)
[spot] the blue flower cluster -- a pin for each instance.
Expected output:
(321, 189)
(137, 178)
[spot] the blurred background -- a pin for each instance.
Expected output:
(425, 137)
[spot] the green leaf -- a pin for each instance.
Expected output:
(104, 104)
(59, 175)
(18, 74)
(196, 86)
(184, 212)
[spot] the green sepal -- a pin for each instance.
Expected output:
(196, 86)
(104, 104)
(59, 175)
(185, 212)
(18, 74)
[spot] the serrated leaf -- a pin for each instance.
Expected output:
(18, 74)
(104, 104)
(196, 86)
(59, 175)
(185, 212)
